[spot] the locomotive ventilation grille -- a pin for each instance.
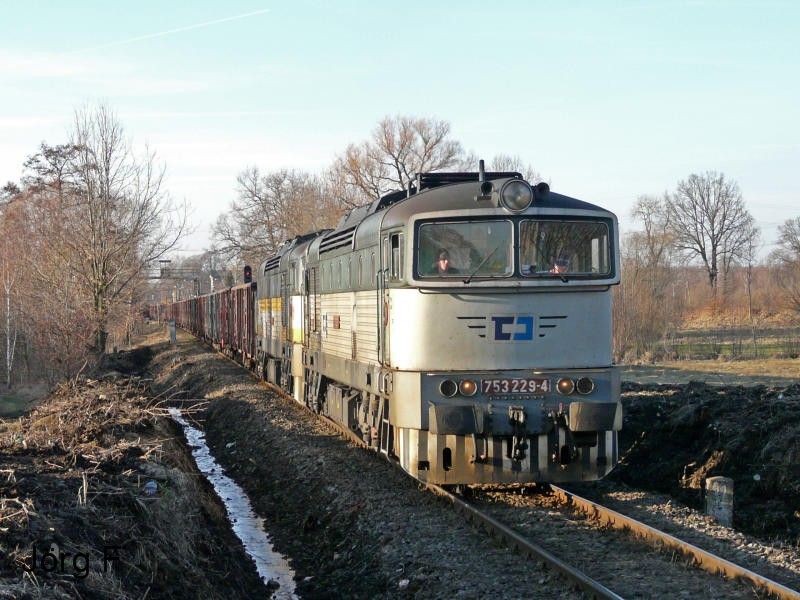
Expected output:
(337, 239)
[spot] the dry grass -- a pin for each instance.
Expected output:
(788, 368)
(73, 472)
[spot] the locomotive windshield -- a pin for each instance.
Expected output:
(465, 248)
(559, 248)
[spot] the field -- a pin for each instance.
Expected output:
(735, 343)
(772, 371)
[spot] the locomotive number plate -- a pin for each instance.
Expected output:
(515, 386)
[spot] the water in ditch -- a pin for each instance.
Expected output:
(272, 567)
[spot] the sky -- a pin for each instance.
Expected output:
(607, 100)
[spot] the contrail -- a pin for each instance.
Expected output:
(149, 36)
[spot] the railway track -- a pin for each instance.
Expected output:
(729, 575)
(504, 525)
(629, 557)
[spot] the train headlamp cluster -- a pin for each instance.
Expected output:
(466, 387)
(516, 195)
(567, 386)
(469, 387)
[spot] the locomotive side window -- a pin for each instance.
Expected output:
(558, 248)
(471, 248)
(396, 245)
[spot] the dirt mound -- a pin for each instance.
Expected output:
(674, 437)
(101, 500)
(128, 362)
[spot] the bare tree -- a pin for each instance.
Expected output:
(51, 169)
(9, 272)
(118, 216)
(655, 240)
(644, 310)
(737, 248)
(507, 162)
(8, 192)
(749, 256)
(789, 237)
(786, 258)
(709, 221)
(398, 148)
(270, 208)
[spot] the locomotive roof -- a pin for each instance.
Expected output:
(361, 226)
(462, 196)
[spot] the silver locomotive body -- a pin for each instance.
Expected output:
(463, 327)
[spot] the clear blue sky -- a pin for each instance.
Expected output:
(607, 100)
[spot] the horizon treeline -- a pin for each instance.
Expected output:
(81, 234)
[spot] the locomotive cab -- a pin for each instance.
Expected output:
(498, 334)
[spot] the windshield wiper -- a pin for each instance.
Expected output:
(483, 262)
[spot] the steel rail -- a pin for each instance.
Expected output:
(702, 558)
(514, 540)
(526, 547)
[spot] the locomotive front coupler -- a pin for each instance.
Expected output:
(517, 417)
(567, 453)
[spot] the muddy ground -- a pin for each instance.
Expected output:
(675, 436)
(98, 482)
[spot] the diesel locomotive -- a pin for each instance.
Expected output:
(461, 326)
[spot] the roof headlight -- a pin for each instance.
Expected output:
(516, 195)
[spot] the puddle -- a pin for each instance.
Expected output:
(248, 526)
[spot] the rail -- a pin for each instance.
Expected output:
(515, 541)
(703, 559)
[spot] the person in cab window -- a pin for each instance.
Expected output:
(560, 265)
(442, 265)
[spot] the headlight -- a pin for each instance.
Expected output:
(467, 387)
(565, 386)
(516, 195)
(584, 385)
(448, 388)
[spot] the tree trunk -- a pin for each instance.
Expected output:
(11, 341)
(101, 324)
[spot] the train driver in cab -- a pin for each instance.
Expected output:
(442, 265)
(557, 266)
(560, 264)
